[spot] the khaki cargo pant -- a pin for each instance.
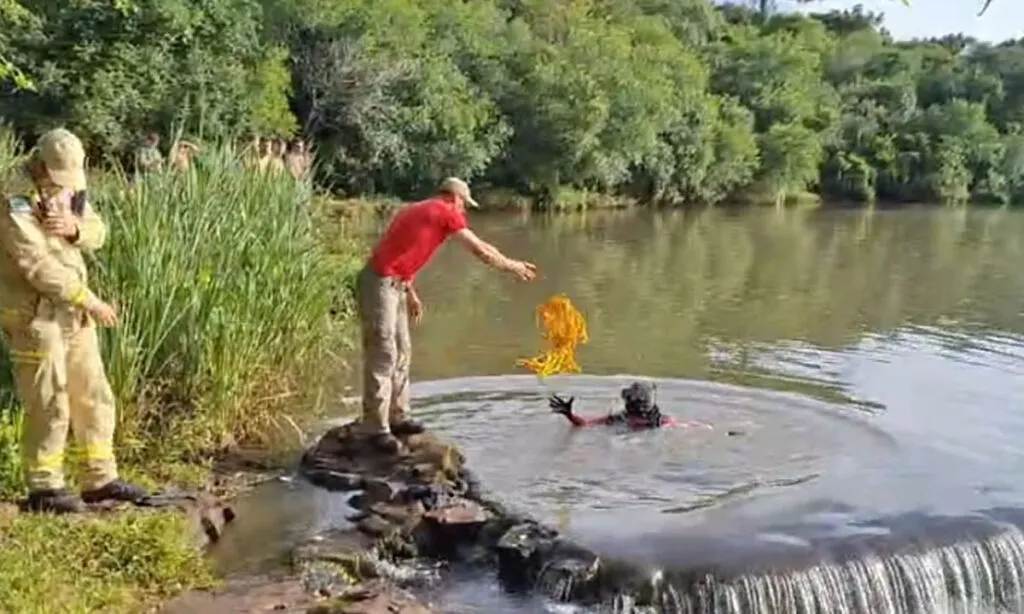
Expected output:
(387, 350)
(60, 379)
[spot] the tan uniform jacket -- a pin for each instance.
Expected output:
(42, 275)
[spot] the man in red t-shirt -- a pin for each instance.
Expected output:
(387, 300)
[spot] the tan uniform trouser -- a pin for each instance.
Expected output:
(387, 349)
(59, 377)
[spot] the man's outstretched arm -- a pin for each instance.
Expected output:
(564, 407)
(491, 256)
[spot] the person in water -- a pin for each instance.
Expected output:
(641, 411)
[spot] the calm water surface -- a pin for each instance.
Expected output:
(853, 368)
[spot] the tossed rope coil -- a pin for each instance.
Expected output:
(564, 328)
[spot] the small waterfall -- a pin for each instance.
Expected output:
(972, 576)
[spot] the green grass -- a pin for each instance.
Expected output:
(225, 284)
(114, 563)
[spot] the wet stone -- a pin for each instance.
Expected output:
(375, 526)
(459, 513)
(570, 573)
(447, 531)
(335, 480)
(425, 472)
(359, 501)
(398, 514)
(379, 491)
(522, 552)
(429, 496)
(356, 517)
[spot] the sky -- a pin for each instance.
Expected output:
(1003, 20)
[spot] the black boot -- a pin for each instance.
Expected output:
(54, 501)
(116, 490)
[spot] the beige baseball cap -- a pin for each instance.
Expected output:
(458, 187)
(63, 156)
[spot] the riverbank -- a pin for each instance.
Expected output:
(565, 200)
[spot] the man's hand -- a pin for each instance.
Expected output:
(525, 271)
(415, 306)
(61, 224)
(560, 405)
(489, 254)
(104, 314)
(56, 216)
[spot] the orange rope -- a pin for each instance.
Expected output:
(564, 329)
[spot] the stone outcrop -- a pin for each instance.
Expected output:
(424, 506)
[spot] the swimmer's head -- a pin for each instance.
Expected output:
(638, 397)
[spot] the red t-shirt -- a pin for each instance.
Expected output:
(413, 236)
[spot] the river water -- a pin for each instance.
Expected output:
(857, 377)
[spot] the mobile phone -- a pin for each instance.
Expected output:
(78, 201)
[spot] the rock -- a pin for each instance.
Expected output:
(372, 598)
(522, 551)
(430, 496)
(375, 526)
(446, 530)
(359, 501)
(208, 515)
(402, 514)
(334, 480)
(570, 573)
(425, 472)
(462, 513)
(379, 491)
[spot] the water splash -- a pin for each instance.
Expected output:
(982, 576)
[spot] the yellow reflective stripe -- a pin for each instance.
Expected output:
(27, 357)
(79, 296)
(45, 462)
(98, 451)
(35, 353)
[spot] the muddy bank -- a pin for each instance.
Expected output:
(422, 512)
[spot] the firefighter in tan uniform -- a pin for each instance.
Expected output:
(48, 316)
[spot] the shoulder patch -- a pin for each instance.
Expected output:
(19, 204)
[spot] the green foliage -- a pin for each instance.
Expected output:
(114, 563)
(225, 292)
(673, 101)
(112, 69)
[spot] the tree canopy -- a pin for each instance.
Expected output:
(677, 101)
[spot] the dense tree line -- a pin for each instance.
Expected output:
(676, 101)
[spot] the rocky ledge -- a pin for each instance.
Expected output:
(423, 508)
